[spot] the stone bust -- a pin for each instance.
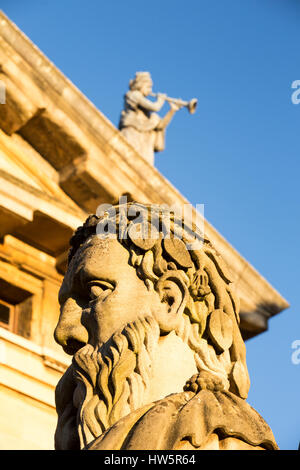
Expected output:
(153, 327)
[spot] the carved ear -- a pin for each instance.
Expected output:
(174, 295)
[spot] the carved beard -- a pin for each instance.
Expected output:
(104, 384)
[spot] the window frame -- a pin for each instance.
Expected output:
(11, 325)
(35, 286)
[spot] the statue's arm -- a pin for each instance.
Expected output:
(150, 105)
(166, 119)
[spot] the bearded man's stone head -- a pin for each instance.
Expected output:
(145, 313)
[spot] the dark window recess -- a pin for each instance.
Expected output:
(15, 309)
(4, 313)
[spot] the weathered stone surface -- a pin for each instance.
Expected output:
(187, 421)
(158, 357)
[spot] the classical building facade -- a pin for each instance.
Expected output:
(60, 158)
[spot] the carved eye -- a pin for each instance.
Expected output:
(99, 289)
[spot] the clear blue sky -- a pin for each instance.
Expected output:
(239, 154)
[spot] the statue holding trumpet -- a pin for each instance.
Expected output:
(140, 123)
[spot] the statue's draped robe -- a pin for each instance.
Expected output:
(190, 418)
(140, 127)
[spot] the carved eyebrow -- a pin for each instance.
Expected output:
(102, 283)
(84, 277)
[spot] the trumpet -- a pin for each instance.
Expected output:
(190, 105)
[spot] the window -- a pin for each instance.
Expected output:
(15, 309)
(5, 314)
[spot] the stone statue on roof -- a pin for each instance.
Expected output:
(140, 123)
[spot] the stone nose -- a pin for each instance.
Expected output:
(69, 332)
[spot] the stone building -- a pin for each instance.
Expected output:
(60, 158)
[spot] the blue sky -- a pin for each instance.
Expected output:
(238, 155)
